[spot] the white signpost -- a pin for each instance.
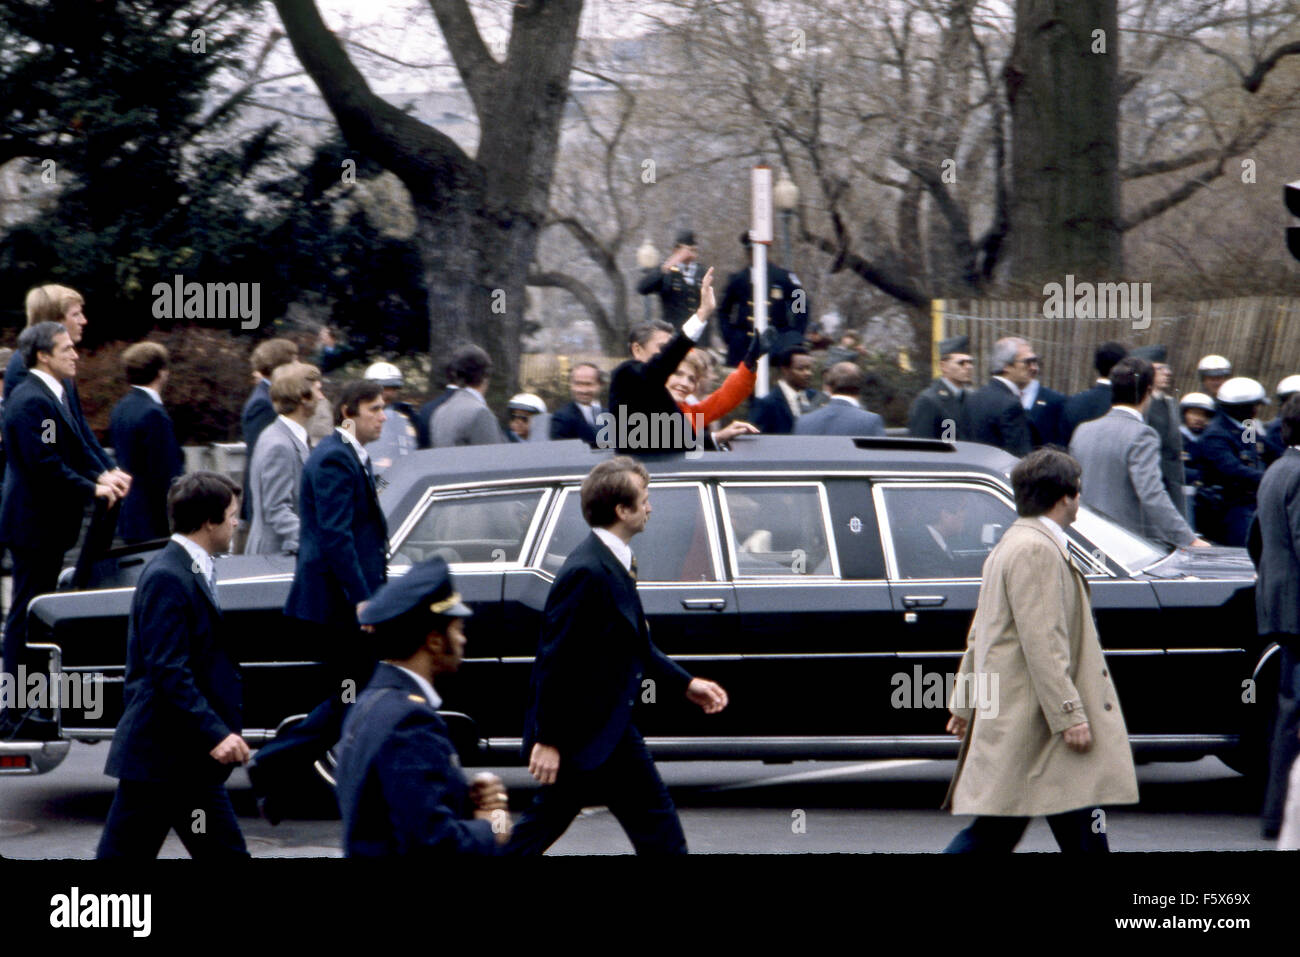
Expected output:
(760, 237)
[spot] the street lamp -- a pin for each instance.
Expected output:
(785, 197)
(647, 257)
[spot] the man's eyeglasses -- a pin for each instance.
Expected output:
(964, 362)
(1027, 361)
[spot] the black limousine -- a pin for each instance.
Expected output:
(827, 582)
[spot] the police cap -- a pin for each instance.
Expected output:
(426, 586)
(1197, 400)
(954, 344)
(1240, 391)
(1288, 386)
(1214, 365)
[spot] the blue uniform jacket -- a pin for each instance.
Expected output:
(342, 539)
(1230, 463)
(594, 649)
(145, 442)
(400, 787)
(183, 692)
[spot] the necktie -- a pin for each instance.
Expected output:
(212, 586)
(589, 413)
(632, 570)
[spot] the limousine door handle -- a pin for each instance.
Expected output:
(704, 604)
(924, 601)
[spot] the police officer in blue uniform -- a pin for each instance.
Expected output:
(400, 787)
(1196, 409)
(1273, 444)
(1232, 463)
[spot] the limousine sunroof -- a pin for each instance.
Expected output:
(904, 444)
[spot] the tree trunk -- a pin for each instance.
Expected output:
(1065, 205)
(477, 218)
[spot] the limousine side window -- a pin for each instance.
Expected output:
(479, 527)
(777, 529)
(944, 531)
(673, 548)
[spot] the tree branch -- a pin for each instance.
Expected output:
(474, 61)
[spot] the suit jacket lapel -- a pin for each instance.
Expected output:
(623, 586)
(65, 410)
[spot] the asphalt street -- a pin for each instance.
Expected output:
(737, 807)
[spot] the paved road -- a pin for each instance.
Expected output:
(726, 807)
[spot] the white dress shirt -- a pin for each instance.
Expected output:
(357, 447)
(54, 384)
(151, 393)
(200, 557)
(1057, 531)
(1015, 389)
(298, 431)
(621, 549)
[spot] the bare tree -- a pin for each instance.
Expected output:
(477, 218)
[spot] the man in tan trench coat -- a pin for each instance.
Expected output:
(1052, 741)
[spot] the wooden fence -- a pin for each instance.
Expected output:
(1259, 335)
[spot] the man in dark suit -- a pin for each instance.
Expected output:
(787, 307)
(342, 561)
(1164, 416)
(1277, 603)
(777, 412)
(843, 414)
(181, 718)
(678, 282)
(400, 787)
(637, 390)
(54, 303)
(940, 410)
(997, 416)
(1045, 410)
(50, 476)
(145, 442)
(1093, 403)
(577, 419)
(258, 413)
(595, 648)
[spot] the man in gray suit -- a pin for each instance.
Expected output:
(1277, 603)
(844, 414)
(465, 419)
(1120, 455)
(275, 471)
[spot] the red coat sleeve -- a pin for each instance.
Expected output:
(732, 392)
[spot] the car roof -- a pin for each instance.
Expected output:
(768, 453)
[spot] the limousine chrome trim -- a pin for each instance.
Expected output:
(828, 526)
(433, 495)
(937, 746)
(706, 507)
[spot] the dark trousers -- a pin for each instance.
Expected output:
(627, 783)
(144, 811)
(349, 663)
(36, 572)
(1284, 746)
(1073, 831)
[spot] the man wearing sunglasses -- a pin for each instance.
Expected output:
(940, 411)
(996, 415)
